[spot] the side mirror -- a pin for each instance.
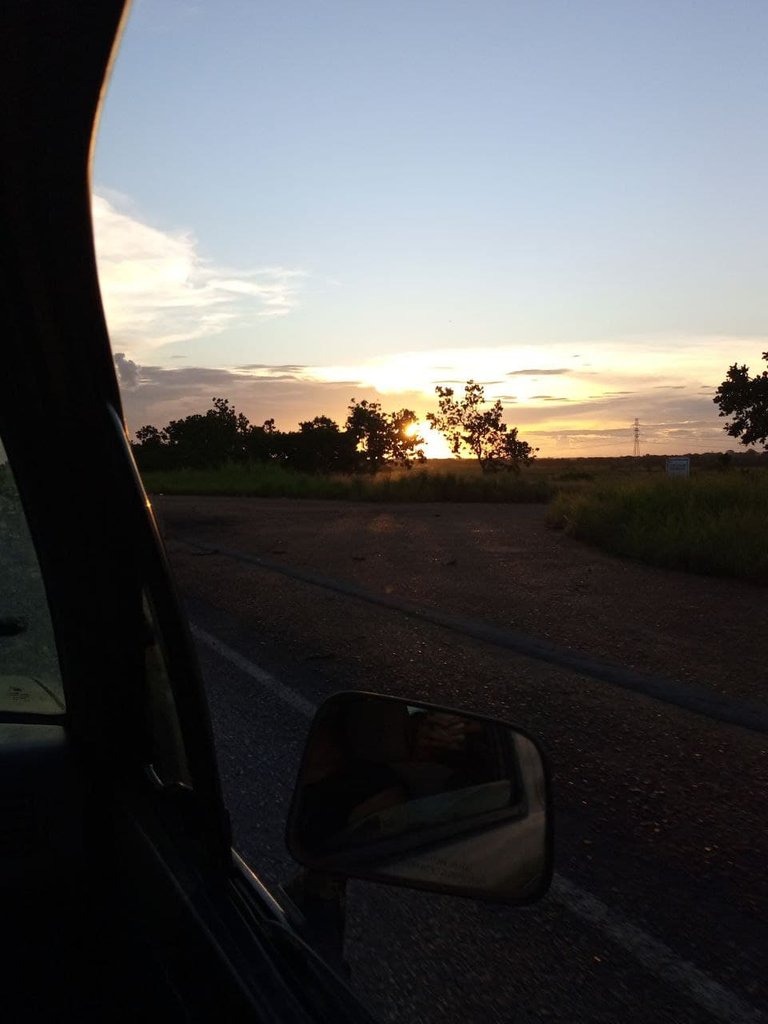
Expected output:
(422, 796)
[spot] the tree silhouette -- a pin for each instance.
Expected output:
(405, 441)
(211, 438)
(201, 440)
(151, 437)
(746, 399)
(382, 437)
(466, 425)
(321, 447)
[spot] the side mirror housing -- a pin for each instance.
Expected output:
(422, 796)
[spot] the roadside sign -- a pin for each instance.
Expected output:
(679, 466)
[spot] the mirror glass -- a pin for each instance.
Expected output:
(419, 795)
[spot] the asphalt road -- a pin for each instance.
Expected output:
(658, 908)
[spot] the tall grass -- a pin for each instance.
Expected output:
(414, 485)
(716, 524)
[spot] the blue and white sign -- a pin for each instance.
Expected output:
(679, 465)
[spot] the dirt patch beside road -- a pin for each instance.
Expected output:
(501, 564)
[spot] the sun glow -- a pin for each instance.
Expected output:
(434, 444)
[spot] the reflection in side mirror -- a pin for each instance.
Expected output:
(422, 796)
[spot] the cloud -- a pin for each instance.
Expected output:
(158, 394)
(588, 432)
(482, 383)
(127, 371)
(272, 368)
(637, 365)
(157, 288)
(537, 373)
(669, 422)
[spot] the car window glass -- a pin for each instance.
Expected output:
(30, 678)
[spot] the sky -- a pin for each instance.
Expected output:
(297, 203)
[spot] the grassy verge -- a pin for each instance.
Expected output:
(401, 485)
(716, 524)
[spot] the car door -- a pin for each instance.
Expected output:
(146, 908)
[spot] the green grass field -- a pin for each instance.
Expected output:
(715, 524)
(446, 481)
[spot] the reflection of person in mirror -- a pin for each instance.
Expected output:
(456, 747)
(355, 764)
(340, 787)
(375, 756)
(437, 732)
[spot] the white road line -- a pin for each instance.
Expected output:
(652, 954)
(265, 679)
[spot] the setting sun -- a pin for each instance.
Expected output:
(434, 444)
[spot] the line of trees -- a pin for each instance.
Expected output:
(369, 439)
(372, 438)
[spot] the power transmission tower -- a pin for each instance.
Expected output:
(636, 435)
